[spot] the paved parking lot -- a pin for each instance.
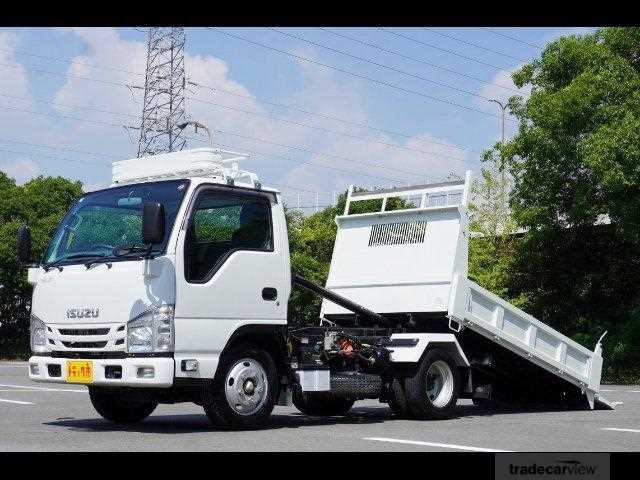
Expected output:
(45, 417)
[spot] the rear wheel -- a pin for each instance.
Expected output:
(432, 388)
(321, 404)
(118, 407)
(244, 390)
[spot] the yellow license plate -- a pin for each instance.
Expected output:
(79, 371)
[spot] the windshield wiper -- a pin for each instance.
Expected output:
(128, 249)
(56, 263)
(98, 258)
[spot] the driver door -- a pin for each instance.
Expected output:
(230, 270)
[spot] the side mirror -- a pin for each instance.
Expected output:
(152, 223)
(24, 245)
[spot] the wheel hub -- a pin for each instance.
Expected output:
(439, 383)
(246, 386)
(249, 387)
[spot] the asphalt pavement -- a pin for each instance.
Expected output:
(49, 417)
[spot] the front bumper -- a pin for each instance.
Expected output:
(163, 371)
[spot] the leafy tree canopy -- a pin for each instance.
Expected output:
(576, 154)
(40, 203)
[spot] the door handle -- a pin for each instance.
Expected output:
(269, 294)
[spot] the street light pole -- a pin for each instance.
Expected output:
(503, 107)
(503, 180)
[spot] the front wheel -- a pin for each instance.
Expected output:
(244, 390)
(118, 407)
(432, 388)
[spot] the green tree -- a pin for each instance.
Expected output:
(494, 233)
(575, 161)
(576, 154)
(39, 203)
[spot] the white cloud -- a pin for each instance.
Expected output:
(17, 124)
(322, 90)
(13, 80)
(21, 170)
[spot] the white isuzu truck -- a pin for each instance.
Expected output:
(172, 286)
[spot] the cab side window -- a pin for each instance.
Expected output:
(222, 223)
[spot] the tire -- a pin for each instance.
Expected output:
(117, 408)
(248, 405)
(397, 399)
(437, 372)
(321, 404)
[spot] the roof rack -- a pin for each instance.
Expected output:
(197, 162)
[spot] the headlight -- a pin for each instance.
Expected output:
(38, 335)
(151, 331)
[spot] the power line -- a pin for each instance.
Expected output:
(495, 32)
(257, 114)
(229, 92)
(46, 114)
(219, 131)
(331, 117)
(84, 152)
(310, 206)
(379, 65)
(62, 159)
(452, 52)
(231, 133)
(313, 152)
(325, 130)
(67, 75)
(466, 42)
(407, 57)
(356, 75)
(321, 154)
(64, 105)
(69, 60)
(289, 159)
(40, 145)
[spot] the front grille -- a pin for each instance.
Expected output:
(83, 331)
(88, 354)
(88, 337)
(84, 344)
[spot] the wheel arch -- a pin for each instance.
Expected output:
(410, 348)
(269, 337)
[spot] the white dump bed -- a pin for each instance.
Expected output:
(415, 261)
(474, 307)
(402, 260)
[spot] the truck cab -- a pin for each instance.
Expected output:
(114, 312)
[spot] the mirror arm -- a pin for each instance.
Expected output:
(148, 255)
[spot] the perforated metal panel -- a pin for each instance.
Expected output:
(398, 233)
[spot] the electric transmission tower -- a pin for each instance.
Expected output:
(163, 110)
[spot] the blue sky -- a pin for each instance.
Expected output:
(433, 120)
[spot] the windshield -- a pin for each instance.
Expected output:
(102, 221)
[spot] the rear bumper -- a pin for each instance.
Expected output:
(163, 371)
